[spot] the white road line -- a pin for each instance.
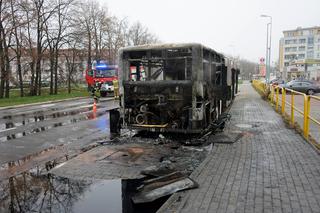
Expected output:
(8, 129)
(47, 105)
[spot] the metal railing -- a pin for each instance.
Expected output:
(283, 103)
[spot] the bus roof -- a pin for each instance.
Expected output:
(166, 46)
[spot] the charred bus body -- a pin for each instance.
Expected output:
(173, 87)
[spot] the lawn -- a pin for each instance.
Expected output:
(15, 99)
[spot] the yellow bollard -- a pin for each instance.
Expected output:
(283, 104)
(306, 116)
(272, 94)
(277, 99)
(292, 109)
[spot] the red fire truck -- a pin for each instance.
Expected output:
(100, 76)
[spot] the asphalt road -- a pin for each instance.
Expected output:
(28, 130)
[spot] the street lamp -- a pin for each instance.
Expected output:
(268, 49)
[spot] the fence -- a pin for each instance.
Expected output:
(302, 111)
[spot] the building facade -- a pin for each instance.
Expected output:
(299, 53)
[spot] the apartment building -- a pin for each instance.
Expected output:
(299, 53)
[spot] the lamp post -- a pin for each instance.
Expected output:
(268, 49)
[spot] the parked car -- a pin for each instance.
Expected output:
(277, 81)
(305, 86)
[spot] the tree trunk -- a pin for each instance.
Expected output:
(18, 49)
(2, 67)
(89, 48)
(2, 60)
(20, 75)
(7, 69)
(40, 82)
(56, 72)
(51, 71)
(37, 85)
(33, 78)
(69, 82)
(7, 77)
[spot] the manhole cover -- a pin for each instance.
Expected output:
(244, 125)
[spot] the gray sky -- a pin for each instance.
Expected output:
(229, 26)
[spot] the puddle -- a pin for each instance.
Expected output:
(25, 119)
(17, 134)
(48, 193)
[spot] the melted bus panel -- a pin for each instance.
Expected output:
(172, 87)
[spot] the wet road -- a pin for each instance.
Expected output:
(28, 130)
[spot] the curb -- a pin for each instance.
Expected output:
(39, 103)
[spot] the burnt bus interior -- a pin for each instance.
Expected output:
(172, 88)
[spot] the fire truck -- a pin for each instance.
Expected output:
(100, 76)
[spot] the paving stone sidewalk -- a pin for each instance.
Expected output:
(270, 169)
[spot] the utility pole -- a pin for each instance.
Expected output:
(268, 49)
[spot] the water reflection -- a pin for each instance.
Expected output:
(15, 120)
(30, 193)
(103, 122)
(48, 126)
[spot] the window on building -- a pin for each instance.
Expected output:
(305, 32)
(310, 40)
(290, 49)
(290, 57)
(318, 55)
(302, 41)
(302, 48)
(310, 48)
(310, 54)
(301, 56)
(291, 41)
(286, 64)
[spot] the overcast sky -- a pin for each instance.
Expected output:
(229, 26)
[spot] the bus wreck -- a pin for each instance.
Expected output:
(173, 87)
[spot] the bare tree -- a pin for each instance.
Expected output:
(2, 51)
(37, 33)
(57, 35)
(71, 57)
(28, 40)
(138, 35)
(85, 21)
(18, 22)
(5, 42)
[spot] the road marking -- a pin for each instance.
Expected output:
(47, 105)
(8, 129)
(58, 166)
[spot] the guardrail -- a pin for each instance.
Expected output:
(279, 97)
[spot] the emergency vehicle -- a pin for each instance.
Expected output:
(100, 76)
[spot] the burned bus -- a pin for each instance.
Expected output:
(172, 87)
